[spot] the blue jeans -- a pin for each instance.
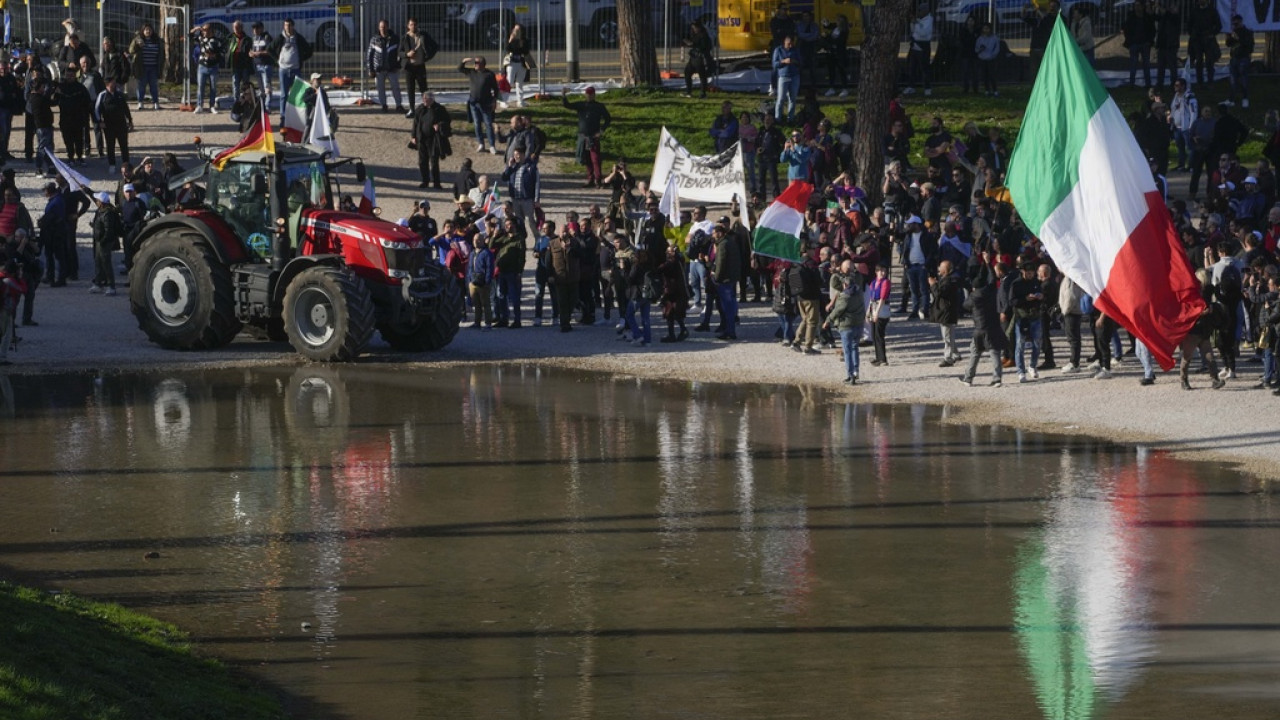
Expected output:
(918, 280)
(1239, 68)
(482, 118)
(44, 141)
(239, 78)
(1026, 331)
(1144, 357)
(787, 324)
(749, 170)
(788, 91)
(209, 74)
(150, 78)
(849, 342)
(287, 76)
(641, 331)
(1182, 139)
(509, 288)
(1269, 366)
(263, 73)
(697, 280)
(727, 293)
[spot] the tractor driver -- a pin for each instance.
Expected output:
(299, 200)
(249, 209)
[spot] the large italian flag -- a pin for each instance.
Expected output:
(1084, 188)
(777, 233)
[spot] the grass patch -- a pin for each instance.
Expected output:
(639, 115)
(66, 658)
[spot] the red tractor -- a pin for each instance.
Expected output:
(265, 250)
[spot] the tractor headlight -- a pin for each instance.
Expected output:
(394, 244)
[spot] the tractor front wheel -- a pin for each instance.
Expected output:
(182, 294)
(328, 314)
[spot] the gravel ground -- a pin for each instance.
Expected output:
(82, 331)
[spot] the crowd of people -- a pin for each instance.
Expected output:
(945, 230)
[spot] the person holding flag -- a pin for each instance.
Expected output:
(108, 230)
(1081, 184)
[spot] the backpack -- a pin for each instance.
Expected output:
(1230, 284)
(810, 282)
(699, 244)
(857, 306)
(429, 47)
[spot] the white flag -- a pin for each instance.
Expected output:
(74, 179)
(670, 205)
(321, 133)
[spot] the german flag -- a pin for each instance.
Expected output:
(258, 138)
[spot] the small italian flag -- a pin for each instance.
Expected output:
(777, 234)
(1082, 185)
(295, 112)
(368, 200)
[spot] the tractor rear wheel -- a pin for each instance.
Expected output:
(432, 332)
(328, 314)
(182, 294)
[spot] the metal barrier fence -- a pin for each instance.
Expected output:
(340, 30)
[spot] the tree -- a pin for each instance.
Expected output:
(879, 77)
(636, 43)
(174, 49)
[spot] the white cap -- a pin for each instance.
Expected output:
(128, 187)
(1227, 186)
(316, 76)
(403, 222)
(103, 197)
(915, 219)
(1251, 179)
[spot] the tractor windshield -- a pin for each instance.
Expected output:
(231, 195)
(314, 177)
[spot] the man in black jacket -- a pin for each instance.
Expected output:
(947, 297)
(593, 120)
(74, 109)
(1027, 296)
(11, 103)
(988, 335)
(40, 104)
(111, 111)
(432, 127)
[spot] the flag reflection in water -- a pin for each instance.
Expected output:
(1082, 612)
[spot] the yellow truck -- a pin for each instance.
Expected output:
(744, 24)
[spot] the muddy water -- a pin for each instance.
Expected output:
(515, 542)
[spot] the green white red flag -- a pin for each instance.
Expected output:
(1082, 185)
(777, 233)
(295, 112)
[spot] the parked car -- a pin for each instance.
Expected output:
(328, 25)
(954, 12)
(485, 23)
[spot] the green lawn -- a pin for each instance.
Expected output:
(65, 658)
(638, 115)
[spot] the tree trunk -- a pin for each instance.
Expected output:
(174, 50)
(879, 77)
(636, 42)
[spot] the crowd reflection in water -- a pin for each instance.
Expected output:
(569, 519)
